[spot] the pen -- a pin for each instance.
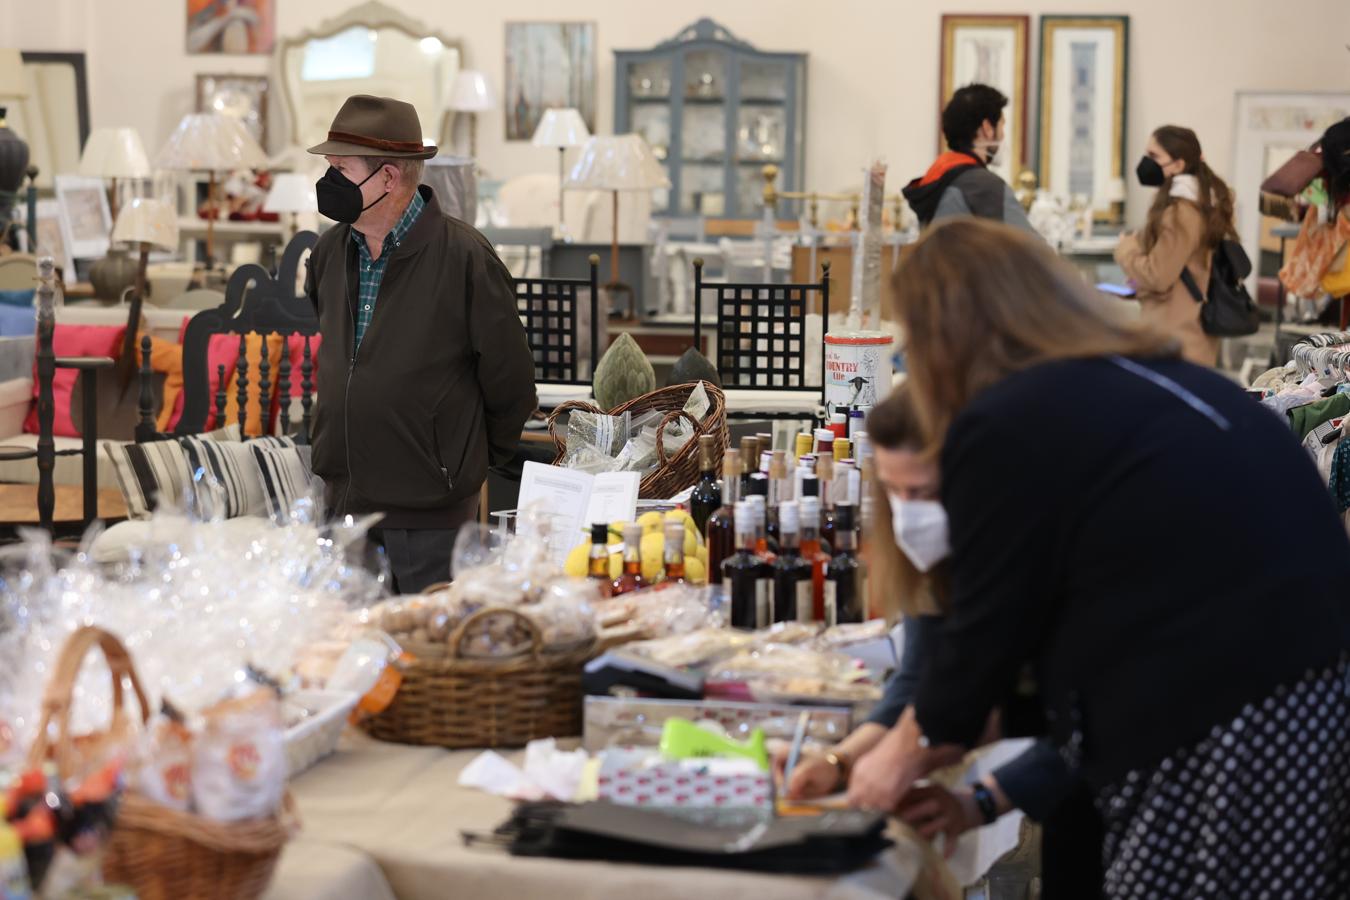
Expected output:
(802, 721)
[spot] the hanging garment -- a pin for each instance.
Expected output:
(1314, 250)
(1304, 419)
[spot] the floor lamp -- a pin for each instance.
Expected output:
(211, 143)
(472, 94)
(146, 224)
(617, 163)
(113, 154)
(561, 128)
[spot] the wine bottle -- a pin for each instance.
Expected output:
(749, 462)
(721, 533)
(707, 494)
(674, 552)
(828, 498)
(813, 553)
(779, 491)
(745, 574)
(631, 578)
(844, 597)
(792, 575)
(598, 568)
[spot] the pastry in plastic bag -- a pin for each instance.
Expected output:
(164, 773)
(239, 760)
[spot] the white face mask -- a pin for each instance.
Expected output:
(993, 152)
(920, 529)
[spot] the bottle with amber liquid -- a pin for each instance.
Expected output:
(631, 579)
(745, 575)
(749, 462)
(825, 479)
(720, 533)
(780, 491)
(674, 553)
(792, 586)
(844, 598)
(707, 494)
(598, 568)
(812, 552)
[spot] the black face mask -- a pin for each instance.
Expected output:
(340, 198)
(1150, 174)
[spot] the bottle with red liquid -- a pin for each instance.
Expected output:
(674, 553)
(792, 574)
(707, 494)
(812, 552)
(598, 568)
(745, 575)
(845, 597)
(631, 579)
(721, 532)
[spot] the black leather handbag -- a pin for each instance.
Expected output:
(1227, 310)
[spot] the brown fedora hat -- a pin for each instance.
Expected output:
(375, 126)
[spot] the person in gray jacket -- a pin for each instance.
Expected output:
(959, 182)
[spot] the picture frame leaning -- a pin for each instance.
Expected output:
(993, 50)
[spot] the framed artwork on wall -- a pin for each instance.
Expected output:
(1083, 69)
(548, 65)
(242, 96)
(86, 220)
(51, 239)
(992, 50)
(231, 26)
(1268, 127)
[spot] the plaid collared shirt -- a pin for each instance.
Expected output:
(371, 271)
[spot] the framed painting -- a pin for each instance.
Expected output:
(86, 220)
(231, 26)
(242, 96)
(549, 65)
(992, 50)
(1269, 127)
(1084, 65)
(51, 237)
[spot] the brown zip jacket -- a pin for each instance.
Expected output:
(408, 423)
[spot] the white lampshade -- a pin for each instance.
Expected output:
(471, 92)
(114, 153)
(210, 142)
(13, 80)
(291, 193)
(623, 162)
(561, 128)
(147, 221)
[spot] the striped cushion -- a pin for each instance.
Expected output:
(284, 474)
(155, 473)
(227, 478)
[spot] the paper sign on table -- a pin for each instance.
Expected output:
(572, 501)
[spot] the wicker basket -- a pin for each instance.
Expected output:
(163, 854)
(674, 473)
(455, 702)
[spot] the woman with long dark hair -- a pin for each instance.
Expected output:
(1159, 548)
(1191, 214)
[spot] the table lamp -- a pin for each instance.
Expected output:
(291, 193)
(211, 143)
(617, 163)
(561, 128)
(147, 223)
(472, 94)
(114, 153)
(13, 149)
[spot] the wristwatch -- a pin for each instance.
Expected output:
(984, 799)
(841, 764)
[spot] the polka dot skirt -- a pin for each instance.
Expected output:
(1258, 809)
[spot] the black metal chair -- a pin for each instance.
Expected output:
(761, 337)
(255, 304)
(548, 308)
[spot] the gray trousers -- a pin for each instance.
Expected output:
(417, 557)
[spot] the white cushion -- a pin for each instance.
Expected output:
(116, 543)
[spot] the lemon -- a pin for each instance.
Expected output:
(653, 552)
(651, 523)
(677, 515)
(578, 560)
(690, 545)
(695, 572)
(616, 531)
(615, 566)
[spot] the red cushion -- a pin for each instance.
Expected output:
(73, 340)
(221, 350)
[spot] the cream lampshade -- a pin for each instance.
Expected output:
(623, 162)
(472, 94)
(211, 143)
(147, 221)
(114, 153)
(291, 193)
(561, 128)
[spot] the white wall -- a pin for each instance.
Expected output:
(873, 66)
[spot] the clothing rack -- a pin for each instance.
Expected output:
(1326, 354)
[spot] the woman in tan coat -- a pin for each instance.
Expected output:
(1193, 212)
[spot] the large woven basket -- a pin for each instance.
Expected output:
(676, 472)
(453, 701)
(161, 853)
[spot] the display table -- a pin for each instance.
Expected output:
(402, 808)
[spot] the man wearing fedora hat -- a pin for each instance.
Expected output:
(425, 377)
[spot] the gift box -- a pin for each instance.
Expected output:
(637, 722)
(626, 779)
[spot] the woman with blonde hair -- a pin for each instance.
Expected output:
(1119, 519)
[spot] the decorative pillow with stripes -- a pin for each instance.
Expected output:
(156, 473)
(227, 479)
(285, 476)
